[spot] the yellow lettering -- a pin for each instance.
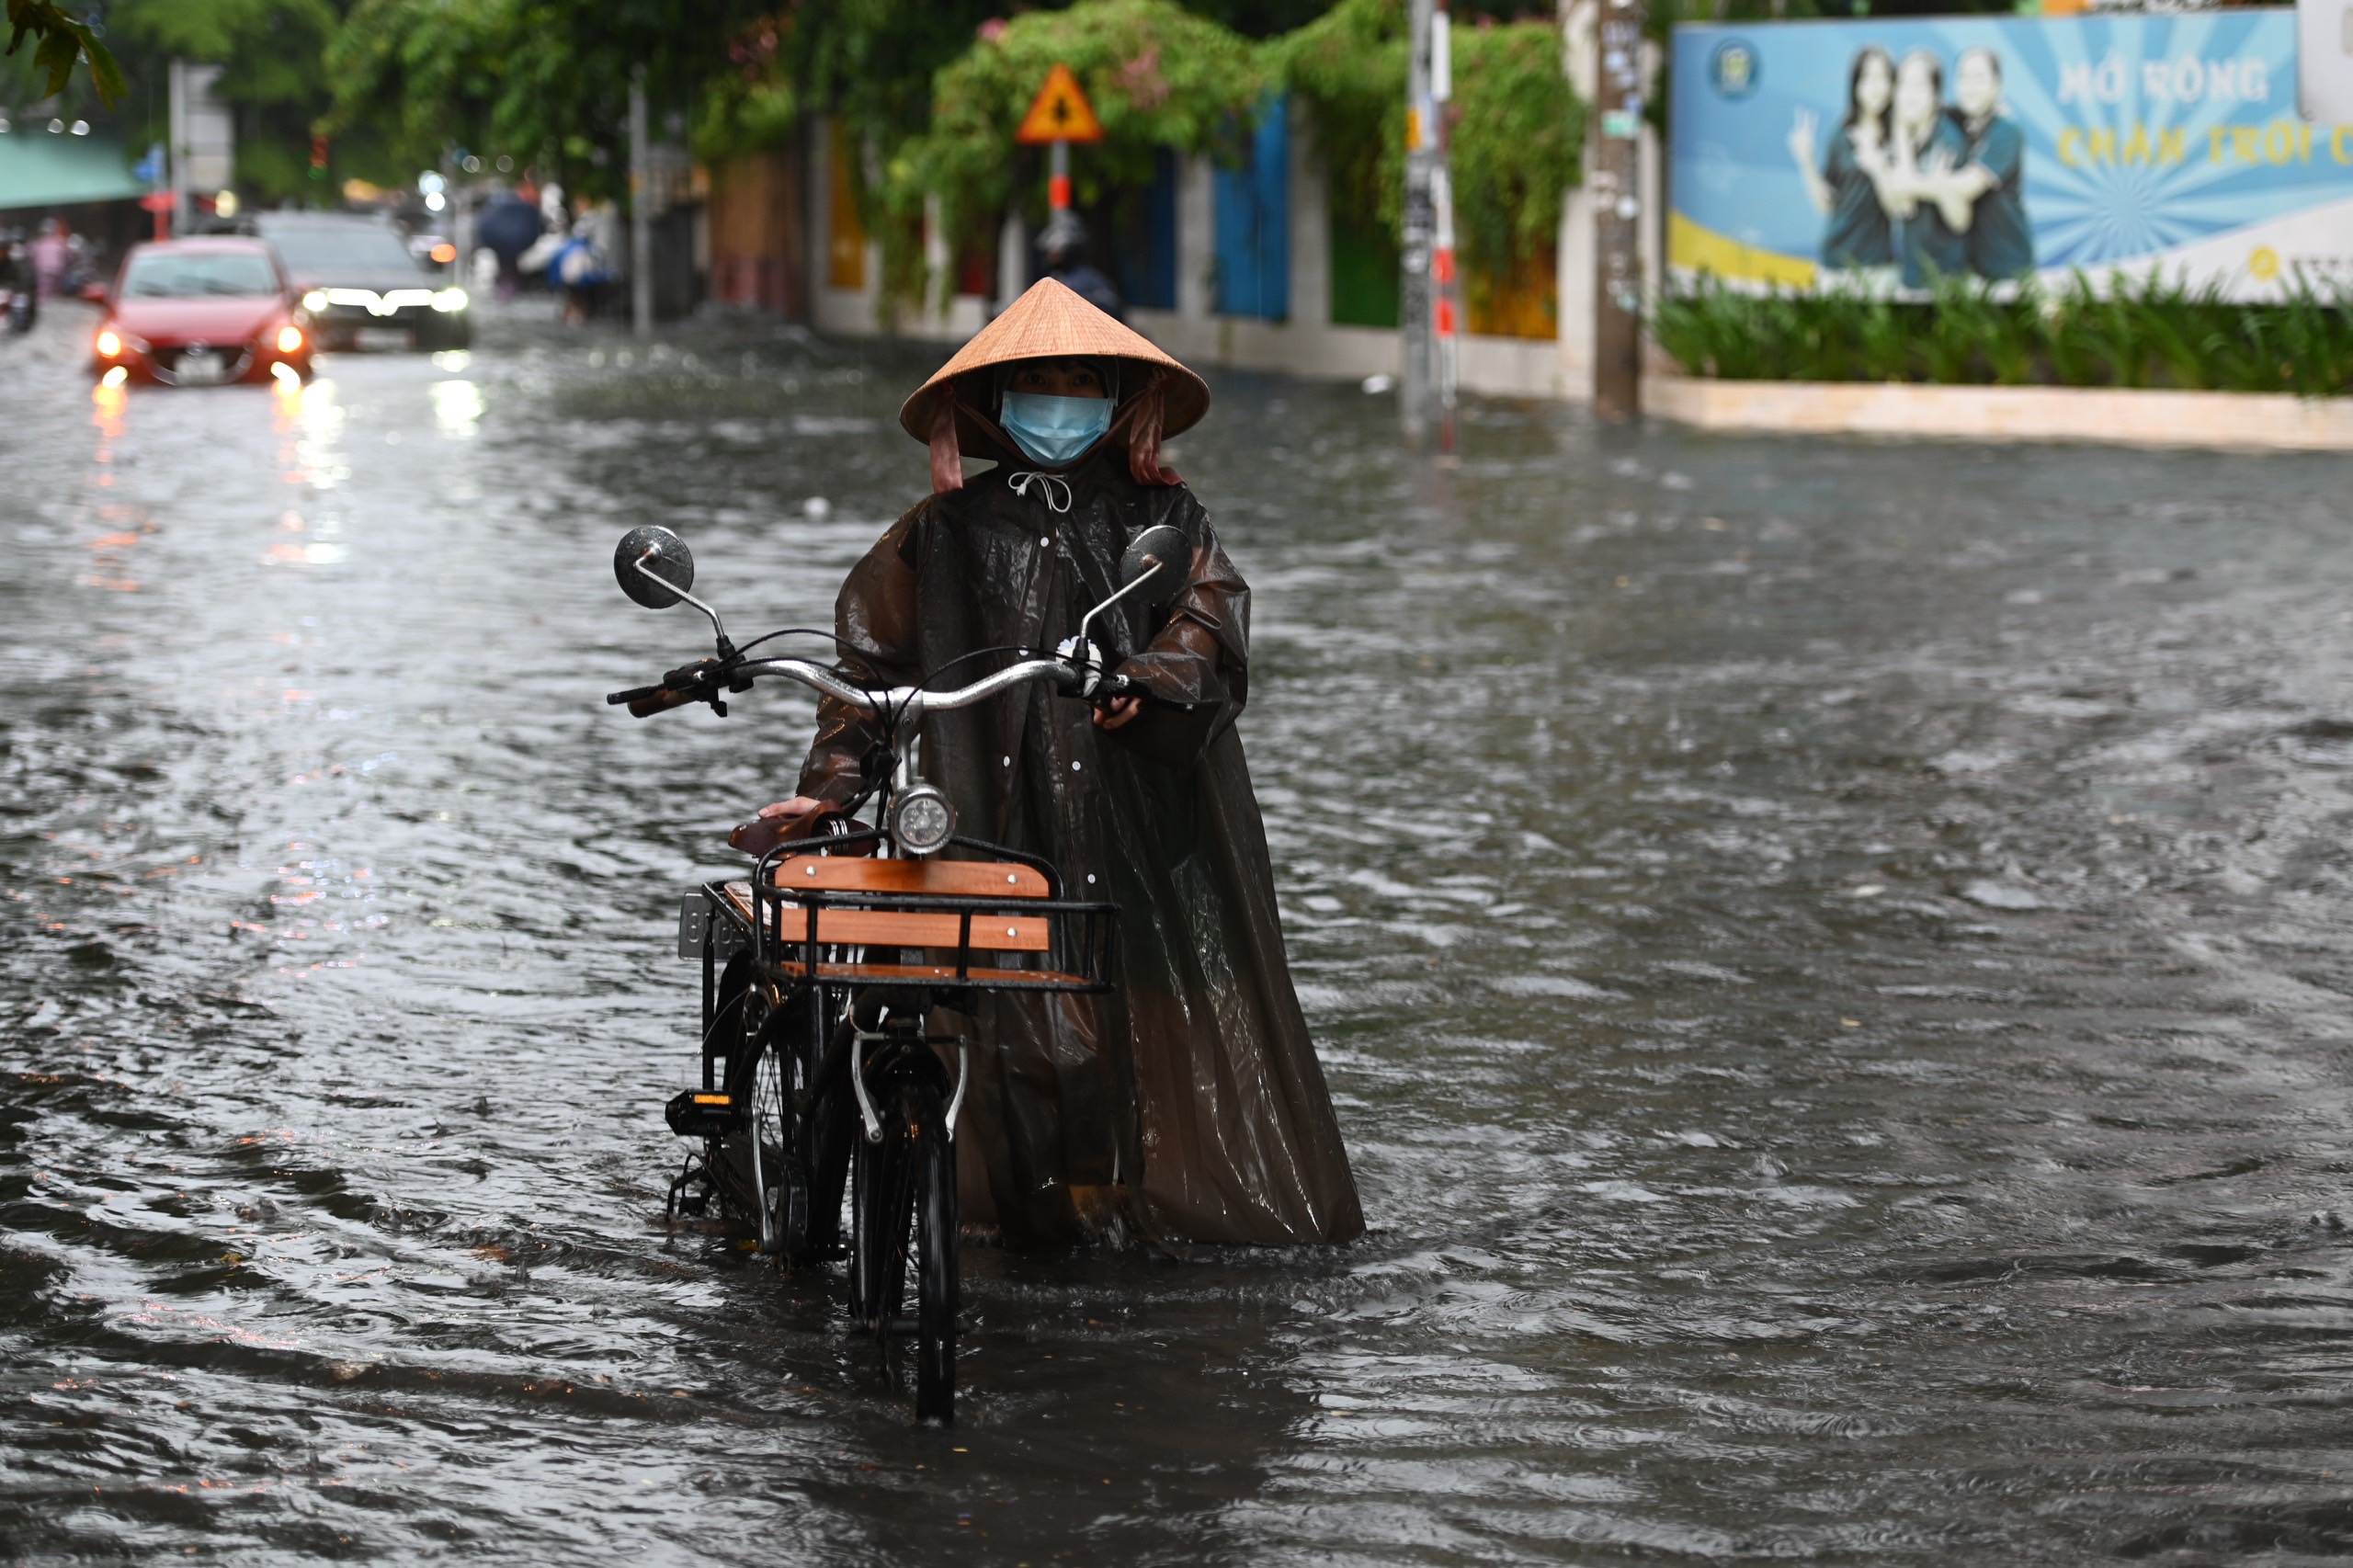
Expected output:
(2304, 144)
(2071, 146)
(2103, 147)
(2246, 145)
(2136, 146)
(2279, 142)
(2340, 143)
(2214, 143)
(2172, 144)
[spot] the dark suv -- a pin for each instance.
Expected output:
(360, 285)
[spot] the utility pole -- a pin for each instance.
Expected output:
(1446, 280)
(1417, 313)
(176, 131)
(1617, 215)
(641, 220)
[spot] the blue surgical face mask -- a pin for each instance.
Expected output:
(1055, 430)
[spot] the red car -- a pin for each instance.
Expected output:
(192, 312)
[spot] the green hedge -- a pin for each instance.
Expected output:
(2157, 333)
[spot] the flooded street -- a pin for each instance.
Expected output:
(1833, 959)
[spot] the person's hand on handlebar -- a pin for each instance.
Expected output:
(1117, 712)
(791, 811)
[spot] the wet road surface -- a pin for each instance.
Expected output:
(1833, 959)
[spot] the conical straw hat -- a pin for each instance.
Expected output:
(1051, 321)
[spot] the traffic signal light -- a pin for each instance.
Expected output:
(318, 157)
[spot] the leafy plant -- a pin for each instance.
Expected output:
(753, 105)
(1886, 340)
(60, 39)
(1349, 66)
(1516, 141)
(1954, 332)
(269, 53)
(2063, 342)
(1156, 75)
(1515, 150)
(546, 80)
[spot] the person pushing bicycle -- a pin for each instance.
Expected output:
(1187, 1105)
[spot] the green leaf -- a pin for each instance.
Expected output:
(62, 40)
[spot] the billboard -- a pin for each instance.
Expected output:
(1886, 152)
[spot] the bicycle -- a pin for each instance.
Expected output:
(820, 973)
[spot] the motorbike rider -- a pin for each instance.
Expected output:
(1186, 1106)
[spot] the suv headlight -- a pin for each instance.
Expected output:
(316, 300)
(449, 299)
(921, 820)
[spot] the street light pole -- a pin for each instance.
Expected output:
(641, 227)
(1617, 215)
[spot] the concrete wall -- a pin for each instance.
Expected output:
(2106, 416)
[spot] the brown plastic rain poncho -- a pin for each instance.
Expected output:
(1187, 1105)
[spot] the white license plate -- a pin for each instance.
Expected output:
(384, 337)
(201, 369)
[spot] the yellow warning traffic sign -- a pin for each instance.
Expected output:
(1059, 112)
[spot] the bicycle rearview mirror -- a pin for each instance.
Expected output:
(1162, 551)
(654, 566)
(1151, 571)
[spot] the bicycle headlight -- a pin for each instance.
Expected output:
(922, 822)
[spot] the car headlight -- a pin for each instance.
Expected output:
(110, 342)
(449, 299)
(290, 339)
(316, 300)
(921, 820)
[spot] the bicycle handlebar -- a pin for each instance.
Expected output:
(648, 700)
(695, 683)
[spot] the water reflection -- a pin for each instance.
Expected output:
(456, 407)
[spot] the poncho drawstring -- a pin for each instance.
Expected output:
(1047, 484)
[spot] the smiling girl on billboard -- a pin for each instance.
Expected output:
(1844, 182)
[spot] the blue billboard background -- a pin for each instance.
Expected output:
(2148, 142)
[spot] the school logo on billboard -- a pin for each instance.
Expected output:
(1732, 68)
(1892, 153)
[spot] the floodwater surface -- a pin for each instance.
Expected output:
(1832, 958)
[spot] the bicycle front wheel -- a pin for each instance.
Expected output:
(933, 1160)
(882, 1209)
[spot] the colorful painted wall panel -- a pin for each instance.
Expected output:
(1253, 217)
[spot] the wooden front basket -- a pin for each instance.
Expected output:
(969, 924)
